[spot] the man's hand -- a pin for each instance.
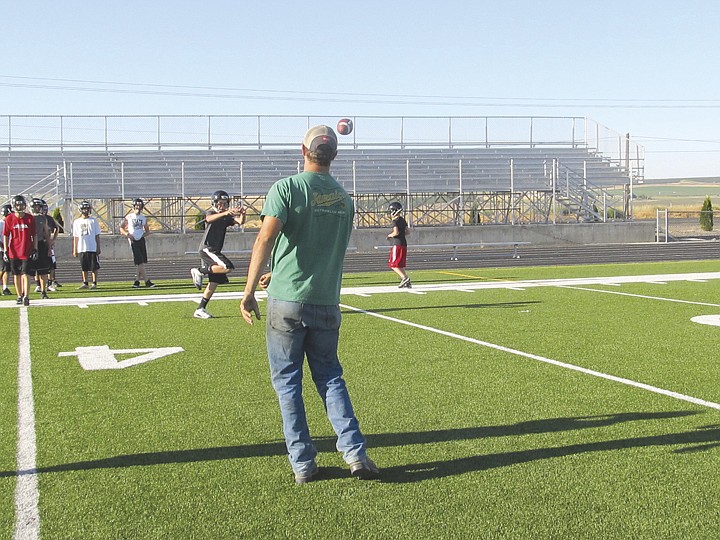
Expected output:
(34, 255)
(248, 306)
(265, 280)
(6, 257)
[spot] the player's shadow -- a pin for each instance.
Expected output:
(697, 440)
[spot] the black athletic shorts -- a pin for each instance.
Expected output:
(139, 251)
(43, 263)
(210, 256)
(89, 261)
(19, 267)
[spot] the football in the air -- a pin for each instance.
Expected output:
(345, 126)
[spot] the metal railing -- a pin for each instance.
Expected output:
(549, 192)
(115, 132)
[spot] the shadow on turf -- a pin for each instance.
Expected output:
(701, 439)
(506, 305)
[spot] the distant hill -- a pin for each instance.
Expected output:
(685, 180)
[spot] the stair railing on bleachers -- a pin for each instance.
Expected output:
(583, 199)
(51, 188)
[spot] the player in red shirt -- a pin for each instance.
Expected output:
(398, 251)
(20, 243)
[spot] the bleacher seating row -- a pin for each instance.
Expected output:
(170, 173)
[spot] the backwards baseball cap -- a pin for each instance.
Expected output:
(321, 139)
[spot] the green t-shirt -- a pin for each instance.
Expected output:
(307, 258)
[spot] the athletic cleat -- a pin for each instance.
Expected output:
(405, 282)
(83, 286)
(364, 469)
(37, 288)
(93, 286)
(136, 285)
(200, 313)
(56, 284)
(197, 278)
(304, 478)
(6, 292)
(51, 288)
(44, 296)
(26, 300)
(149, 284)
(19, 300)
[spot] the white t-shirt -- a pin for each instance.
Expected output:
(136, 224)
(85, 230)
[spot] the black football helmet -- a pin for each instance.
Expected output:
(395, 208)
(36, 204)
(6, 210)
(220, 196)
(85, 208)
(19, 204)
(138, 204)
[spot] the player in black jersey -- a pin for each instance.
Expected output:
(216, 266)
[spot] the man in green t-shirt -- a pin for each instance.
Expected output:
(307, 221)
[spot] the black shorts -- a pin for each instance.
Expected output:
(89, 261)
(139, 251)
(43, 263)
(19, 267)
(211, 256)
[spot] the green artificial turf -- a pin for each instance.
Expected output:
(8, 419)
(473, 441)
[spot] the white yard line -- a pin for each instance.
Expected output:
(641, 296)
(86, 300)
(564, 365)
(27, 518)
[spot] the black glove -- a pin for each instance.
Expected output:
(5, 257)
(34, 255)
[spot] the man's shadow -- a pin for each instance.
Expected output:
(701, 439)
(698, 440)
(495, 305)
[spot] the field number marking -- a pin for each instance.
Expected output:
(102, 357)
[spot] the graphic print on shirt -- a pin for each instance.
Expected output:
(328, 203)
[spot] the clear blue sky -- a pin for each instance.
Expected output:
(650, 68)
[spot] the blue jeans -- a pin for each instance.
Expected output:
(295, 331)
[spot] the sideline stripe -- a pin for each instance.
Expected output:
(573, 367)
(467, 275)
(27, 518)
(88, 301)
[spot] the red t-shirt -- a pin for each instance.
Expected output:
(21, 231)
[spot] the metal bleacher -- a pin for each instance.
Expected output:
(447, 170)
(165, 173)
